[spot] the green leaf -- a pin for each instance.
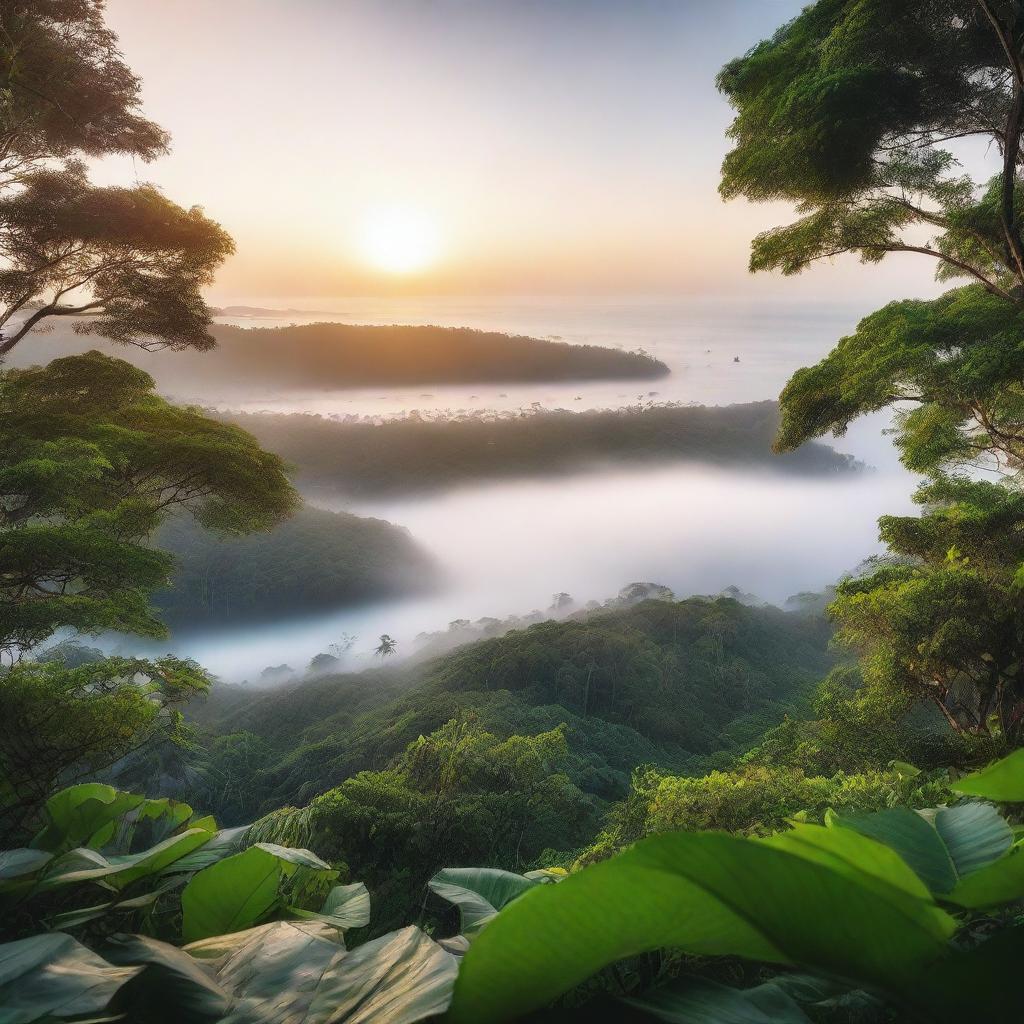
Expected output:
(942, 846)
(707, 894)
(479, 893)
(997, 883)
(346, 906)
(296, 971)
(290, 856)
(975, 834)
(78, 813)
(85, 865)
(222, 844)
(1002, 781)
(231, 895)
(53, 976)
(18, 865)
(914, 839)
(861, 858)
(698, 1001)
(174, 987)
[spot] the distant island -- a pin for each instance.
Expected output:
(264, 312)
(416, 454)
(333, 355)
(315, 561)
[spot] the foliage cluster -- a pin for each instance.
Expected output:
(416, 454)
(315, 560)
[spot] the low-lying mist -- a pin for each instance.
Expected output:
(508, 548)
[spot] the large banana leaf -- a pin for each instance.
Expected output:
(1003, 780)
(52, 976)
(943, 845)
(997, 883)
(85, 865)
(287, 972)
(223, 843)
(346, 906)
(76, 814)
(710, 894)
(479, 893)
(18, 867)
(238, 891)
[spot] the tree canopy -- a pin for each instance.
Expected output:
(848, 111)
(128, 260)
(845, 111)
(91, 462)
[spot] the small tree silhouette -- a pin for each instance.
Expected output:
(387, 646)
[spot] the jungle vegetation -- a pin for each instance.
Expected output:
(419, 454)
(860, 861)
(313, 561)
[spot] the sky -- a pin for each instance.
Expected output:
(365, 147)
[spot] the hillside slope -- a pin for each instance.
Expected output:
(661, 682)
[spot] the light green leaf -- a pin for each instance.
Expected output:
(346, 906)
(862, 859)
(84, 865)
(479, 893)
(942, 845)
(299, 858)
(231, 895)
(53, 976)
(78, 813)
(707, 894)
(222, 844)
(997, 883)
(1002, 780)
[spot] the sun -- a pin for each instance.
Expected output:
(398, 239)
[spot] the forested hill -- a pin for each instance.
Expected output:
(659, 682)
(315, 561)
(414, 454)
(332, 355)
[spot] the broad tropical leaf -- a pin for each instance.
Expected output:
(707, 894)
(479, 893)
(288, 971)
(223, 843)
(1002, 780)
(52, 976)
(230, 895)
(997, 883)
(943, 845)
(78, 813)
(346, 906)
(85, 865)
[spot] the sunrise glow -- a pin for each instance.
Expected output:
(399, 240)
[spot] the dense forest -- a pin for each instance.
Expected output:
(416, 453)
(691, 810)
(332, 355)
(316, 560)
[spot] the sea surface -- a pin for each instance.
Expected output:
(505, 548)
